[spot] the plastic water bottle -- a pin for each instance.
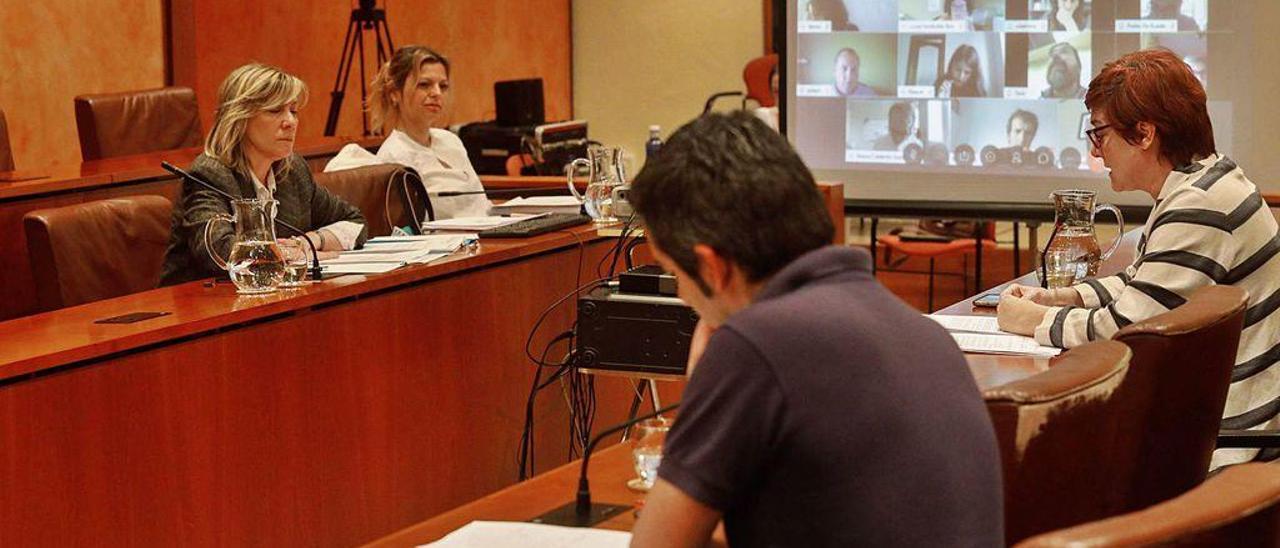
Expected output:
(653, 145)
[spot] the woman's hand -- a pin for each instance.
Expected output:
(1019, 315)
(1048, 297)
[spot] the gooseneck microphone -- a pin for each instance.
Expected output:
(316, 272)
(1044, 267)
(452, 193)
(581, 512)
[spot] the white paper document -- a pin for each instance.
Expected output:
(359, 268)
(539, 204)
(390, 252)
(971, 324)
(476, 223)
(982, 334)
(1002, 344)
(500, 534)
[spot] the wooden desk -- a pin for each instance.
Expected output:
(65, 185)
(612, 467)
(510, 187)
(334, 414)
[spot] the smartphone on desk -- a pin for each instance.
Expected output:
(990, 300)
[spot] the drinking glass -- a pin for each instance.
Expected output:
(1062, 268)
(297, 257)
(646, 449)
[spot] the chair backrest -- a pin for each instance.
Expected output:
(6, 150)
(134, 122)
(1238, 507)
(1180, 373)
(756, 76)
(97, 250)
(378, 191)
(1062, 447)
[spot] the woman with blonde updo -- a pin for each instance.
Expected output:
(249, 154)
(409, 97)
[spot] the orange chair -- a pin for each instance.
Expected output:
(943, 248)
(134, 122)
(1239, 507)
(756, 76)
(97, 250)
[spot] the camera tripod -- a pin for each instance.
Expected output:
(366, 17)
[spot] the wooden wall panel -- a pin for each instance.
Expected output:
(52, 51)
(486, 40)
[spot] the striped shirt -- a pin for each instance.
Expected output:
(1209, 226)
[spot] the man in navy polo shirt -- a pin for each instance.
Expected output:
(822, 411)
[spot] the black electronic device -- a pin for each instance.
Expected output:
(536, 225)
(644, 335)
(552, 146)
(519, 102)
(648, 279)
(489, 145)
(990, 300)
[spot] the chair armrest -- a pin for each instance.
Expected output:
(1249, 439)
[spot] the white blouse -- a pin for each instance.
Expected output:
(444, 167)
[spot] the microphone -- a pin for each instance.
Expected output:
(581, 512)
(1044, 267)
(452, 193)
(316, 272)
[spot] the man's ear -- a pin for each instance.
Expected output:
(713, 268)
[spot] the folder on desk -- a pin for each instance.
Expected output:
(388, 253)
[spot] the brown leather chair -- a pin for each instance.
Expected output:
(1179, 374)
(134, 122)
(1062, 445)
(97, 250)
(379, 191)
(1239, 507)
(6, 150)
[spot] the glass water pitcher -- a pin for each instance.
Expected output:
(605, 174)
(1072, 253)
(255, 264)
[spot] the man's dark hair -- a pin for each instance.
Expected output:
(1029, 118)
(730, 182)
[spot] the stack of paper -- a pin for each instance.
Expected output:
(391, 252)
(499, 534)
(982, 334)
(473, 224)
(540, 204)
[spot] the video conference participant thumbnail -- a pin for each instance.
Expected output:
(821, 403)
(950, 15)
(1068, 15)
(1059, 70)
(950, 65)
(896, 132)
(846, 65)
(848, 16)
(1162, 16)
(1018, 134)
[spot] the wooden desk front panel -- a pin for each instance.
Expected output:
(332, 425)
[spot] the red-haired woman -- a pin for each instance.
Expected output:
(1209, 226)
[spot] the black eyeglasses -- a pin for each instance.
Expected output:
(1093, 136)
